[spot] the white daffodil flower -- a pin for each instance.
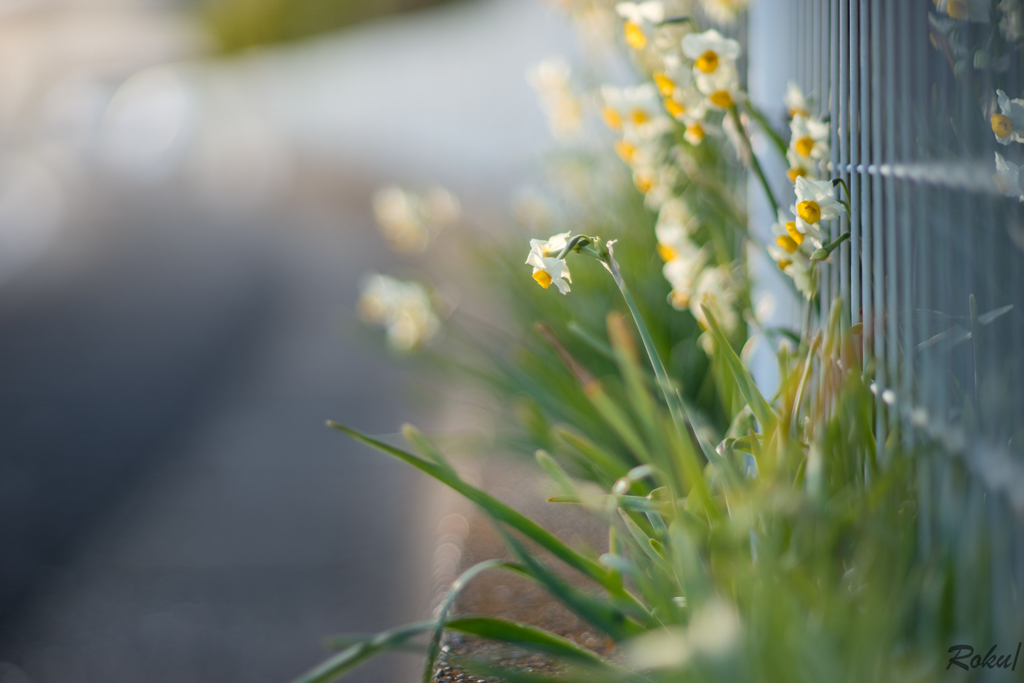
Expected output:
(640, 19)
(710, 51)
(408, 220)
(796, 103)
(674, 244)
(1007, 178)
(402, 308)
(716, 289)
(797, 266)
(800, 166)
(724, 11)
(810, 137)
(965, 10)
(721, 87)
(1008, 124)
(546, 268)
(657, 183)
(636, 111)
(551, 79)
(676, 212)
(816, 200)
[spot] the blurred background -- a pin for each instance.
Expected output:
(185, 216)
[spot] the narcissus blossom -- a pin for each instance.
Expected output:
(716, 289)
(796, 103)
(641, 17)
(791, 251)
(816, 200)
(408, 220)
(810, 137)
(1008, 124)
(1007, 178)
(636, 111)
(551, 79)
(402, 308)
(546, 268)
(710, 51)
(724, 11)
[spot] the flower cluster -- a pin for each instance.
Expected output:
(402, 308)
(409, 220)
(808, 154)
(551, 79)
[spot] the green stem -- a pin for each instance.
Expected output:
(754, 161)
(767, 127)
(676, 409)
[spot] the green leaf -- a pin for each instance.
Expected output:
(637, 503)
(492, 506)
(758, 405)
(525, 636)
(442, 614)
(355, 655)
(598, 612)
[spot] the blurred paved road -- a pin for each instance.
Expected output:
(172, 507)
(169, 485)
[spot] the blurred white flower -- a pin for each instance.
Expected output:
(800, 166)
(408, 220)
(710, 51)
(721, 87)
(796, 103)
(714, 630)
(640, 20)
(791, 253)
(1007, 178)
(716, 289)
(816, 200)
(402, 308)
(684, 261)
(636, 111)
(547, 269)
(968, 10)
(1008, 124)
(724, 11)
(551, 79)
(695, 133)
(810, 137)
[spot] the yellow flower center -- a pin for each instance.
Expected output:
(625, 150)
(695, 132)
(804, 146)
(809, 211)
(784, 263)
(639, 117)
(542, 278)
(666, 86)
(787, 243)
(794, 173)
(635, 37)
(611, 118)
(679, 298)
(674, 108)
(793, 111)
(707, 62)
(797, 236)
(722, 99)
(644, 182)
(666, 253)
(1002, 126)
(957, 9)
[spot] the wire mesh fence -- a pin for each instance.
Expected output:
(931, 280)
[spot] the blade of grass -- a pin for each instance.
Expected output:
(524, 636)
(758, 405)
(492, 506)
(355, 655)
